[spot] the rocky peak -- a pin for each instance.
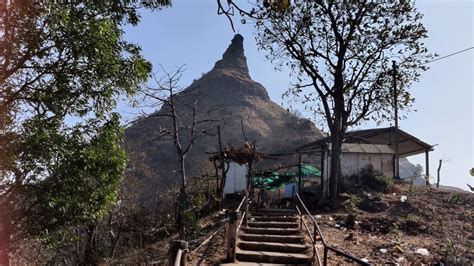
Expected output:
(234, 58)
(241, 102)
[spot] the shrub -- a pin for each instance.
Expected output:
(375, 180)
(350, 202)
(456, 197)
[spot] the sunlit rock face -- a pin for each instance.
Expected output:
(236, 99)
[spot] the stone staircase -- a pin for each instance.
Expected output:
(272, 236)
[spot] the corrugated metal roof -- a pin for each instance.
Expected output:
(366, 148)
(408, 144)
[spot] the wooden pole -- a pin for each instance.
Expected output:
(246, 210)
(323, 153)
(300, 173)
(325, 260)
(439, 170)
(427, 158)
(395, 105)
(232, 236)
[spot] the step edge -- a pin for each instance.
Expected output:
(274, 244)
(273, 254)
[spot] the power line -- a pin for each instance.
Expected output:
(449, 55)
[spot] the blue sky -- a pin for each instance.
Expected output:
(191, 33)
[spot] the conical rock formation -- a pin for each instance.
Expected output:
(237, 100)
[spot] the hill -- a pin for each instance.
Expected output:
(237, 99)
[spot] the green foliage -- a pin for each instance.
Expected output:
(456, 197)
(190, 222)
(375, 180)
(64, 66)
(350, 203)
(197, 198)
(413, 218)
(83, 183)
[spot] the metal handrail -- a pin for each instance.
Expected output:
(315, 224)
(347, 255)
(326, 246)
(241, 203)
(234, 227)
(241, 220)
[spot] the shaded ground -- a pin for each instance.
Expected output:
(210, 253)
(386, 230)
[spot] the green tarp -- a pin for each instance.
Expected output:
(272, 180)
(308, 170)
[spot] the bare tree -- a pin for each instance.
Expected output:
(223, 165)
(340, 54)
(179, 123)
(182, 131)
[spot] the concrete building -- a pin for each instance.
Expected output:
(369, 146)
(236, 180)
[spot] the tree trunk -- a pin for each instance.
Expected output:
(89, 256)
(181, 196)
(115, 243)
(183, 173)
(336, 144)
(225, 169)
(223, 176)
(5, 241)
(216, 168)
(249, 179)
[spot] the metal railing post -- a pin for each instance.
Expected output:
(325, 256)
(246, 211)
(177, 253)
(232, 231)
(301, 219)
(314, 233)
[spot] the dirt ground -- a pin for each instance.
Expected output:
(432, 226)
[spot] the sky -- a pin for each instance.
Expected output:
(191, 33)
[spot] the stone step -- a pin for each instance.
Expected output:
(269, 210)
(270, 231)
(267, 224)
(256, 264)
(271, 257)
(278, 214)
(272, 246)
(272, 238)
(275, 218)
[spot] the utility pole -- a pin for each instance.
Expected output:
(395, 105)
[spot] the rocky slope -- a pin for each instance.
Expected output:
(228, 94)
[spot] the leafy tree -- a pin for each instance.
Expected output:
(62, 68)
(341, 53)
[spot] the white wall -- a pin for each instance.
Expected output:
(236, 180)
(351, 163)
